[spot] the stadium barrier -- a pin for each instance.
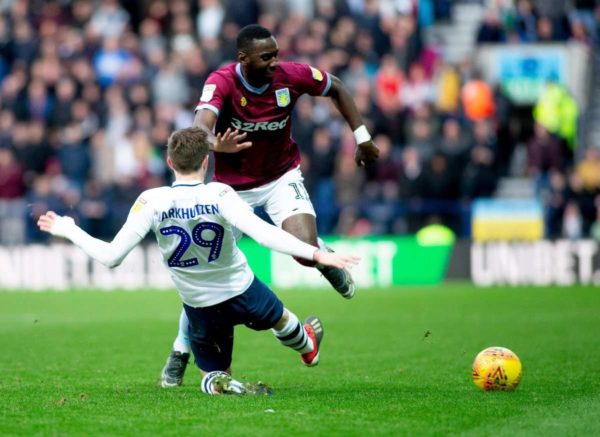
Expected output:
(12, 224)
(386, 261)
(559, 263)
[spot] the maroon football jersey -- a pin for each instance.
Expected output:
(265, 114)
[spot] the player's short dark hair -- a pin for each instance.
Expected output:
(249, 33)
(187, 149)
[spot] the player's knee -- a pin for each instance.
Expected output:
(305, 262)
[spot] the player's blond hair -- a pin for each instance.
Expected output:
(187, 149)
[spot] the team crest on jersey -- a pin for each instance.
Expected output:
(243, 101)
(207, 92)
(316, 74)
(283, 97)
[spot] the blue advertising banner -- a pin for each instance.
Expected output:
(523, 74)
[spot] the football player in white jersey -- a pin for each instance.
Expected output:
(193, 223)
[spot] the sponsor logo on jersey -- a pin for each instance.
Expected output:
(283, 97)
(243, 101)
(316, 74)
(138, 205)
(207, 92)
(248, 126)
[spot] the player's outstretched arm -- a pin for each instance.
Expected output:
(366, 150)
(334, 259)
(281, 241)
(239, 214)
(231, 141)
(110, 254)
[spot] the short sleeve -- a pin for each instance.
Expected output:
(214, 93)
(309, 80)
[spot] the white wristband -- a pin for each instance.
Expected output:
(361, 134)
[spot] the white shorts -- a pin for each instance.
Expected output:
(281, 198)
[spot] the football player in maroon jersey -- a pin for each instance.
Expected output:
(248, 107)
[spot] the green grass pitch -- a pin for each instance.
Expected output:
(86, 363)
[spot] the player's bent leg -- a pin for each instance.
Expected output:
(303, 227)
(174, 369)
(304, 339)
(182, 342)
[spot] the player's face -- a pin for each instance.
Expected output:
(260, 59)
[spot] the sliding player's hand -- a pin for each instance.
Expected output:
(366, 153)
(55, 224)
(231, 141)
(334, 259)
(46, 221)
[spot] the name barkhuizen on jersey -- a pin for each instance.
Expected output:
(188, 213)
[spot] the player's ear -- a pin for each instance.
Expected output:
(242, 57)
(170, 163)
(204, 166)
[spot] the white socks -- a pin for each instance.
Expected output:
(182, 342)
(294, 335)
(209, 386)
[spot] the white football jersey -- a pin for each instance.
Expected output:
(193, 225)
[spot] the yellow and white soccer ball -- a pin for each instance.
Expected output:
(497, 368)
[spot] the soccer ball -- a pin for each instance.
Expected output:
(497, 368)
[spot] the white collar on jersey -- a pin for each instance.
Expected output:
(190, 183)
(262, 89)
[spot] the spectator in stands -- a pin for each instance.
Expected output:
(33, 149)
(583, 12)
(411, 176)
(94, 210)
(526, 21)
(417, 90)
(554, 201)
(45, 194)
(583, 201)
(455, 147)
(480, 175)
(109, 19)
(546, 31)
(588, 170)
(120, 75)
(477, 98)
(544, 155)
(595, 228)
(110, 61)
(447, 88)
(348, 183)
(11, 176)
(491, 30)
(572, 222)
(65, 95)
(437, 179)
(73, 155)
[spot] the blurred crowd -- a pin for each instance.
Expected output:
(91, 90)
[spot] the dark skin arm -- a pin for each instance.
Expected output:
(231, 141)
(366, 152)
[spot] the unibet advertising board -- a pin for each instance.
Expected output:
(386, 261)
(560, 263)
